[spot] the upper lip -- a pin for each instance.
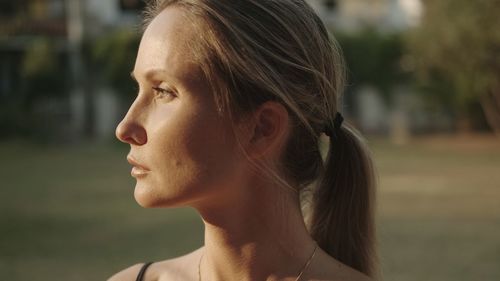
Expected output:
(134, 162)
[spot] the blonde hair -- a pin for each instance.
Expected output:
(253, 51)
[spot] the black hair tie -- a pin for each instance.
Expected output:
(337, 123)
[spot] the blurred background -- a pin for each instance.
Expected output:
(424, 87)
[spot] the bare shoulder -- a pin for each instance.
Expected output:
(180, 268)
(127, 274)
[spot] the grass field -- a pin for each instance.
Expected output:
(68, 213)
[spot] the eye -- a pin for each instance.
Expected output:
(163, 93)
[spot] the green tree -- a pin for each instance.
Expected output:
(41, 72)
(114, 57)
(373, 58)
(456, 52)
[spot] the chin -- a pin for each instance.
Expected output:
(146, 197)
(148, 202)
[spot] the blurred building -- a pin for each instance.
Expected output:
(383, 15)
(58, 27)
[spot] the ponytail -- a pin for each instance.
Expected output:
(342, 220)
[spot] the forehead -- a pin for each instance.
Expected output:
(166, 43)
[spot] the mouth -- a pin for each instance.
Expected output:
(138, 170)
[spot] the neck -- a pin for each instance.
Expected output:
(259, 235)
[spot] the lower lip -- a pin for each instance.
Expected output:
(138, 172)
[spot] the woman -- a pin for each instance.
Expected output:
(233, 97)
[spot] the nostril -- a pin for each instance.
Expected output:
(131, 133)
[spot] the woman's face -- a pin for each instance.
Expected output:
(188, 152)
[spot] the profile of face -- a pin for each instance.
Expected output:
(186, 150)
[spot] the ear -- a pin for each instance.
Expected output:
(269, 127)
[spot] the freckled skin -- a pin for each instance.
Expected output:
(182, 140)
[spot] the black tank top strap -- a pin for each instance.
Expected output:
(145, 266)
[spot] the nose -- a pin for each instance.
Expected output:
(131, 131)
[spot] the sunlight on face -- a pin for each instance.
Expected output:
(187, 151)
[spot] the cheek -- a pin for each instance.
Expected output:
(192, 155)
(207, 151)
(216, 154)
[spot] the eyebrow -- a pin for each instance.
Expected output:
(151, 73)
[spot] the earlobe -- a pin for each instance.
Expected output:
(269, 129)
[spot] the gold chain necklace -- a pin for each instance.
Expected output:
(297, 279)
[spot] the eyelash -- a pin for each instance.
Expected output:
(161, 93)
